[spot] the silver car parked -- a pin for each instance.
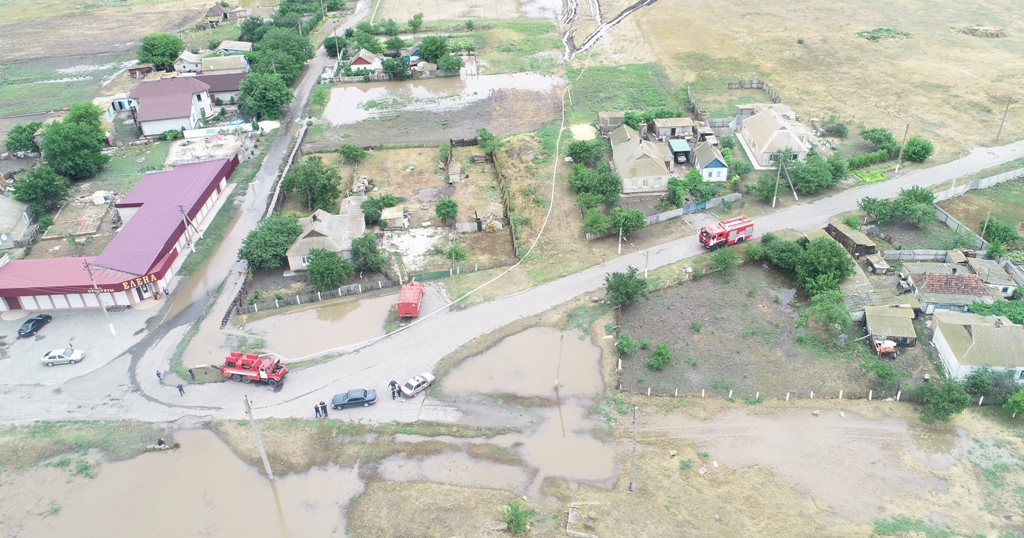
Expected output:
(63, 356)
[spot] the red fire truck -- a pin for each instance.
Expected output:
(251, 367)
(727, 232)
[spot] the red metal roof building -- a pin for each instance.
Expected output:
(141, 259)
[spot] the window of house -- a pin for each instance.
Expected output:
(657, 183)
(1006, 289)
(718, 173)
(632, 183)
(647, 183)
(199, 97)
(305, 261)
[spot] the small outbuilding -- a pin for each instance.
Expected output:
(854, 241)
(994, 276)
(610, 120)
(891, 323)
(409, 299)
(393, 218)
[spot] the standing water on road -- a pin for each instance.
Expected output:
(357, 102)
(201, 489)
(317, 329)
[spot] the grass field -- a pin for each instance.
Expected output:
(1005, 201)
(619, 87)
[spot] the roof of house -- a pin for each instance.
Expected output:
(636, 157)
(772, 133)
(756, 108)
(56, 275)
(967, 318)
(855, 235)
(705, 156)
(190, 57)
(990, 272)
(985, 344)
(157, 224)
(11, 212)
(365, 56)
(222, 82)
(890, 321)
(331, 232)
(225, 63)
(216, 10)
(950, 289)
(670, 123)
(678, 144)
(389, 213)
(229, 44)
(612, 114)
(932, 267)
(167, 98)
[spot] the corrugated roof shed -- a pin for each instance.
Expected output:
(990, 272)
(157, 224)
(672, 123)
(225, 63)
(890, 321)
(981, 345)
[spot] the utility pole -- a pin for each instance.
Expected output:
(189, 224)
(620, 240)
(1005, 110)
(985, 227)
(259, 441)
(778, 176)
(789, 179)
(903, 145)
(957, 176)
(96, 289)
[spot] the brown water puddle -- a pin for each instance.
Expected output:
(457, 469)
(527, 364)
(318, 329)
(357, 102)
(851, 463)
(201, 489)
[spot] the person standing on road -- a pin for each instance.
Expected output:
(192, 374)
(181, 389)
(323, 409)
(394, 388)
(316, 409)
(159, 377)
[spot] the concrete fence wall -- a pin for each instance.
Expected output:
(676, 213)
(958, 227)
(979, 184)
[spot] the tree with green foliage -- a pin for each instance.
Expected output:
(828, 308)
(632, 119)
(390, 28)
(997, 231)
(881, 138)
(583, 151)
(327, 271)
(487, 141)
(823, 256)
(446, 209)
(835, 128)
(624, 288)
(22, 137)
(396, 68)
(335, 45)
(85, 113)
(455, 253)
(1015, 403)
(288, 41)
(660, 358)
(887, 376)
(352, 154)
(316, 184)
(781, 253)
(275, 62)
(415, 23)
(433, 48)
(267, 244)
(160, 49)
(74, 150)
(917, 149)
(811, 176)
(742, 168)
(261, 96)
(626, 221)
(364, 40)
(372, 207)
(941, 400)
(726, 260)
(840, 169)
(1013, 310)
(366, 254)
(394, 44)
(914, 205)
(42, 189)
(253, 29)
(596, 222)
(995, 386)
(589, 200)
(450, 63)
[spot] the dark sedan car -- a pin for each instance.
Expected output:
(32, 325)
(354, 398)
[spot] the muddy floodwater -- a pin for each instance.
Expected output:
(201, 489)
(318, 329)
(357, 102)
(527, 364)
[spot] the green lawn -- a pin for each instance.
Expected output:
(31, 86)
(625, 87)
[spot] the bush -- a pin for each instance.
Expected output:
(754, 252)
(625, 288)
(352, 154)
(851, 220)
(695, 326)
(942, 400)
(626, 345)
(326, 270)
(685, 465)
(372, 207)
(835, 128)
(22, 137)
(517, 516)
(660, 357)
(918, 149)
(172, 134)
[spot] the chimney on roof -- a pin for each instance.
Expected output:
(313, 217)
(954, 270)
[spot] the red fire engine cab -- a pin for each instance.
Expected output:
(727, 232)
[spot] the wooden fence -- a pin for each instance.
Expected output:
(503, 189)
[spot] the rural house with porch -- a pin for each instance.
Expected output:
(329, 232)
(767, 132)
(171, 104)
(966, 342)
(643, 166)
(710, 163)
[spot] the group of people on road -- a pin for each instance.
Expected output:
(180, 386)
(320, 409)
(395, 390)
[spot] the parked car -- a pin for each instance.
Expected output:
(417, 384)
(63, 356)
(33, 324)
(354, 398)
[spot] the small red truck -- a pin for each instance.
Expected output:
(409, 300)
(251, 367)
(727, 232)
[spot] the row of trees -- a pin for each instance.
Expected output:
(916, 149)
(913, 206)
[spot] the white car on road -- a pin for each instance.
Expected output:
(63, 356)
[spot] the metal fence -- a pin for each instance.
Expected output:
(312, 297)
(459, 269)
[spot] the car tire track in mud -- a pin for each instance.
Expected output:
(569, 37)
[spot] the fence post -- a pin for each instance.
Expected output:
(319, 297)
(476, 267)
(870, 393)
(898, 395)
(787, 396)
(840, 394)
(360, 288)
(379, 285)
(256, 307)
(982, 399)
(677, 393)
(701, 393)
(730, 394)
(812, 394)
(277, 304)
(757, 396)
(648, 391)
(298, 300)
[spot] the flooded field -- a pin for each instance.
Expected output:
(198, 490)
(356, 102)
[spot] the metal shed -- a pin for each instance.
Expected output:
(891, 323)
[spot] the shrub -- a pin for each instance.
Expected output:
(851, 220)
(753, 251)
(695, 326)
(942, 400)
(626, 345)
(517, 516)
(660, 357)
(352, 154)
(685, 465)
(918, 149)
